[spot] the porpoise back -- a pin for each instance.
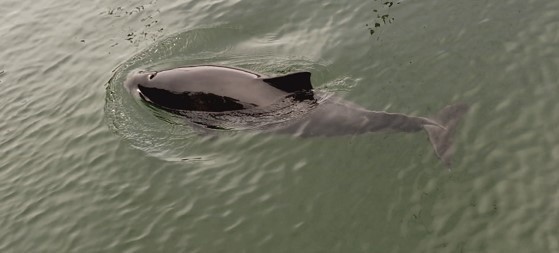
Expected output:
(213, 96)
(214, 88)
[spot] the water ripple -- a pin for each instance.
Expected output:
(69, 184)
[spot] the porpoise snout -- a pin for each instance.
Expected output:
(136, 79)
(131, 82)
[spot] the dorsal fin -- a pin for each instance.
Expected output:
(300, 81)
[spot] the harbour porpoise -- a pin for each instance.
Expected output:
(219, 97)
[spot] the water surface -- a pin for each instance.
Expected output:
(84, 168)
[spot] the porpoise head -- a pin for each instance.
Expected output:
(170, 92)
(214, 88)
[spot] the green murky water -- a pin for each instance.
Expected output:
(83, 170)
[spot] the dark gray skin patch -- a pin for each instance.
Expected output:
(218, 97)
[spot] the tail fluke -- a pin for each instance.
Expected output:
(441, 138)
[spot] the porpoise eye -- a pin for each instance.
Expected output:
(151, 76)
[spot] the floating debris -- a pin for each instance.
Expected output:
(151, 26)
(120, 12)
(381, 16)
